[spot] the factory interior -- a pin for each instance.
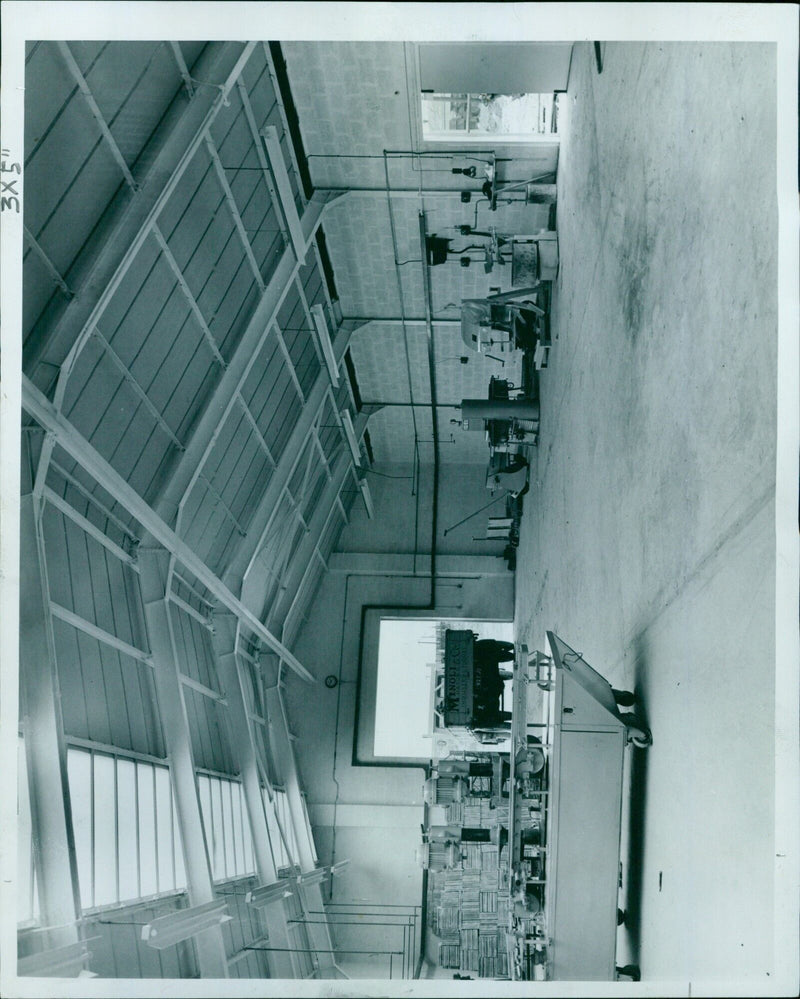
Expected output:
(398, 514)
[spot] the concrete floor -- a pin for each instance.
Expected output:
(648, 533)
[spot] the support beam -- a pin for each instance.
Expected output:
(45, 749)
(89, 528)
(363, 321)
(318, 934)
(48, 263)
(211, 953)
(114, 244)
(326, 507)
(241, 561)
(88, 96)
(43, 411)
(280, 175)
(244, 748)
(189, 463)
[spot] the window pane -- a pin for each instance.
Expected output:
(79, 769)
(166, 868)
(308, 828)
(147, 830)
(218, 862)
(227, 819)
(24, 841)
(126, 824)
(274, 838)
(105, 847)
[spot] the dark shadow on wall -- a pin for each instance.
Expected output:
(633, 863)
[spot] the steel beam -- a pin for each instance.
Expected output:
(188, 294)
(245, 751)
(280, 174)
(45, 749)
(89, 528)
(43, 411)
(88, 96)
(319, 521)
(363, 321)
(81, 624)
(211, 953)
(223, 397)
(233, 208)
(48, 263)
(251, 124)
(311, 896)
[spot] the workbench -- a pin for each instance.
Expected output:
(584, 736)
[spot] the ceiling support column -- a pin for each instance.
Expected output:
(45, 749)
(211, 954)
(274, 914)
(311, 895)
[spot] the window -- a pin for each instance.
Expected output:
(514, 117)
(127, 838)
(27, 894)
(278, 818)
(227, 829)
(308, 828)
(403, 708)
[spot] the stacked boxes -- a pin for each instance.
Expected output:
(469, 907)
(449, 956)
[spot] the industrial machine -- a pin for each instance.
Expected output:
(510, 421)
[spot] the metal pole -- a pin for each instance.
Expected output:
(314, 950)
(45, 748)
(199, 878)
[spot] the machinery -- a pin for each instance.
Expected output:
(509, 421)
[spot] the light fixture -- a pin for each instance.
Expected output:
(367, 496)
(350, 436)
(314, 877)
(318, 315)
(166, 931)
(266, 894)
(61, 962)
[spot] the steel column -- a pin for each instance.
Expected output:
(311, 896)
(45, 749)
(244, 748)
(189, 463)
(211, 953)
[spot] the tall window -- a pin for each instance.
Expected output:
(27, 895)
(127, 838)
(227, 829)
(513, 117)
(278, 818)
